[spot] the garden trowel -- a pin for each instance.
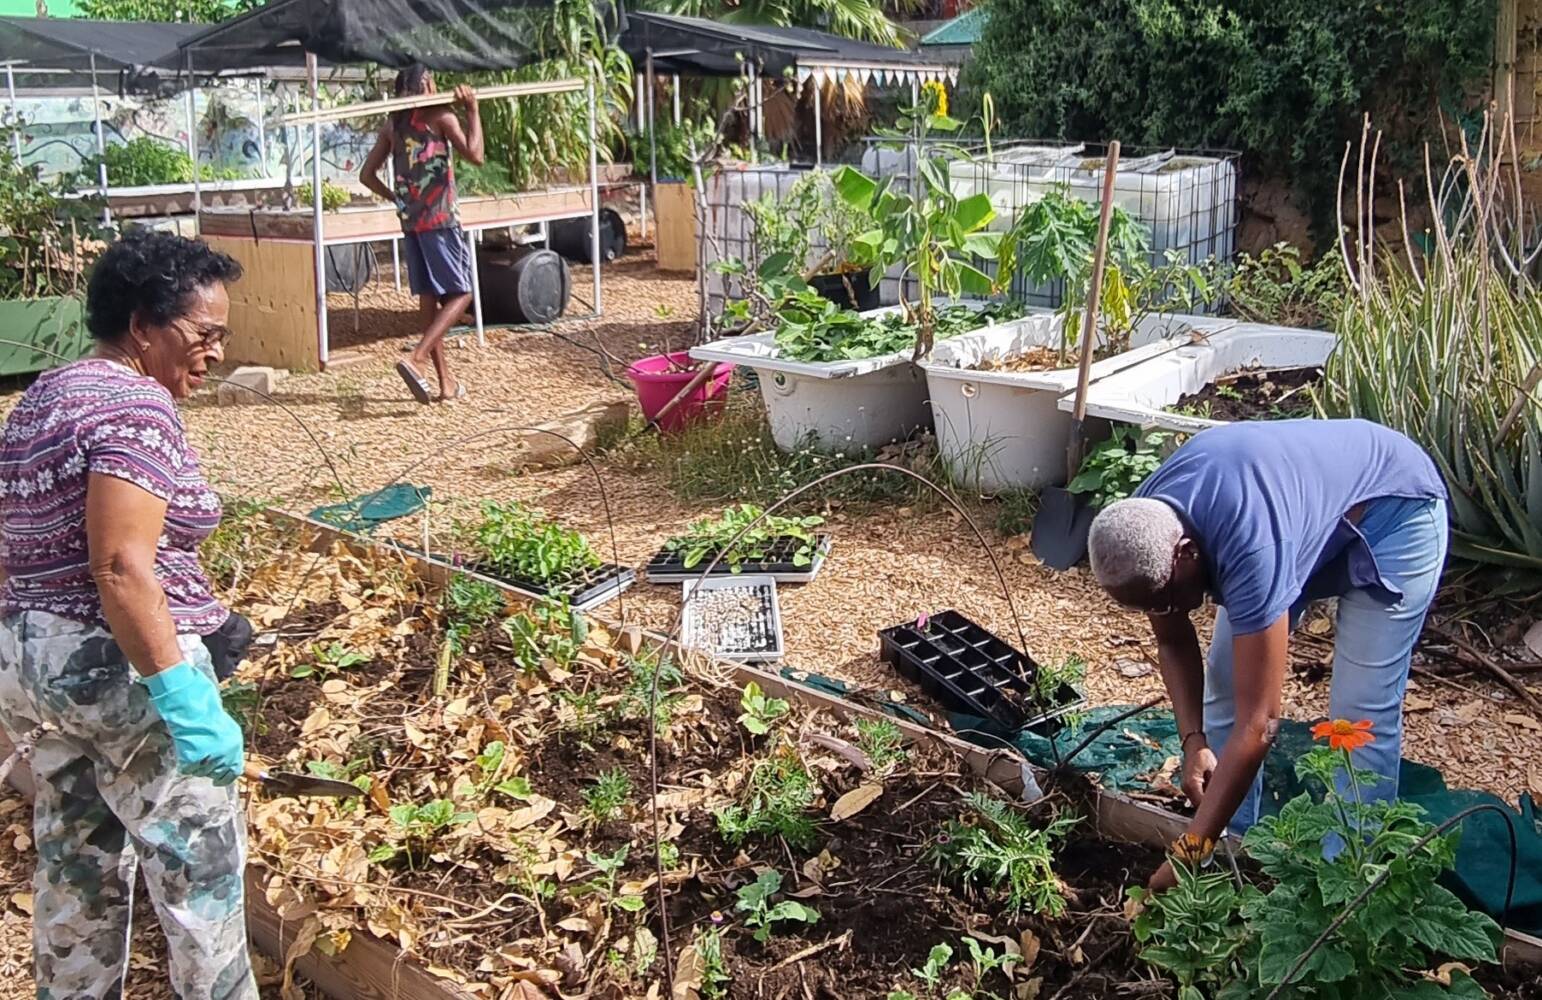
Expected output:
(289, 783)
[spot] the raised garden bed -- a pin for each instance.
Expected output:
(1254, 394)
(970, 669)
(1146, 394)
(996, 395)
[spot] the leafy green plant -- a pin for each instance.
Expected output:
(640, 688)
(193, 11)
(145, 161)
(983, 960)
(778, 794)
(333, 196)
(938, 237)
(760, 914)
(714, 971)
(607, 797)
(1194, 930)
(996, 847)
(1053, 676)
(243, 702)
(1116, 466)
(491, 763)
(487, 178)
(1409, 922)
(1277, 287)
(332, 658)
(420, 826)
(812, 328)
(710, 538)
(882, 742)
(518, 543)
(672, 148)
(47, 240)
(609, 866)
(470, 604)
(760, 710)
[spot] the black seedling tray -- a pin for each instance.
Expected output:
(967, 668)
(669, 567)
(584, 591)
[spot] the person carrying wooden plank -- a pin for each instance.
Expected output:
(418, 142)
(1266, 517)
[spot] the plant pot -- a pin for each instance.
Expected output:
(1003, 430)
(674, 206)
(658, 380)
(41, 333)
(1141, 394)
(833, 406)
(833, 287)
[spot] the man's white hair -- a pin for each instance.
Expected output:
(1131, 544)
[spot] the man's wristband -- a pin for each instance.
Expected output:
(1184, 746)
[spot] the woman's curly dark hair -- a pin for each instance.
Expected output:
(152, 274)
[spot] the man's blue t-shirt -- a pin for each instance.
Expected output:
(1265, 501)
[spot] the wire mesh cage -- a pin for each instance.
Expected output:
(1186, 200)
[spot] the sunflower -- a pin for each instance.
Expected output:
(1342, 734)
(935, 96)
(1192, 849)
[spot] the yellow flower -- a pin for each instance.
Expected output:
(936, 96)
(1193, 850)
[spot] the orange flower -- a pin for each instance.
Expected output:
(1192, 849)
(1342, 734)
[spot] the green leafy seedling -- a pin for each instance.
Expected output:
(328, 660)
(882, 742)
(760, 914)
(760, 711)
(605, 799)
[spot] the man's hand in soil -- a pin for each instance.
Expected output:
(1163, 878)
(1198, 767)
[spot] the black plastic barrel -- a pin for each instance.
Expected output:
(523, 285)
(833, 287)
(350, 266)
(570, 237)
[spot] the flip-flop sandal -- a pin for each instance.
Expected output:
(415, 383)
(456, 396)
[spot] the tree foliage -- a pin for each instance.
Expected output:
(864, 20)
(1283, 80)
(193, 11)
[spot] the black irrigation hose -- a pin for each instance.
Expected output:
(1103, 727)
(1354, 904)
(674, 633)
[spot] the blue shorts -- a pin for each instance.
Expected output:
(438, 262)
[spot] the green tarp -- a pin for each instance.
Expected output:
(365, 513)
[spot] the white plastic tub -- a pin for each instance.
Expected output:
(1141, 394)
(1000, 430)
(834, 406)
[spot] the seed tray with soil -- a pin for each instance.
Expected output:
(738, 618)
(585, 591)
(503, 833)
(1275, 394)
(669, 567)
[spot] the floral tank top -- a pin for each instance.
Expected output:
(424, 178)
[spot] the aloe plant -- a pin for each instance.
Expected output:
(1449, 354)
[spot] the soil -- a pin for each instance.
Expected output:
(1039, 359)
(1276, 394)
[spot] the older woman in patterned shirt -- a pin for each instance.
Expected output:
(102, 623)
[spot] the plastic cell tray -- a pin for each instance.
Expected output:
(669, 567)
(756, 638)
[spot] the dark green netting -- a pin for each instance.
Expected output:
(363, 514)
(1127, 754)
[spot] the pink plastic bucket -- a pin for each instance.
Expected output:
(657, 384)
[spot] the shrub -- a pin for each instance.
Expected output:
(1286, 80)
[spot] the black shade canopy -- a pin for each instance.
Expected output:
(57, 52)
(693, 46)
(451, 35)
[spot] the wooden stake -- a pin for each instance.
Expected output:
(1090, 322)
(366, 108)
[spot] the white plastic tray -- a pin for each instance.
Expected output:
(743, 645)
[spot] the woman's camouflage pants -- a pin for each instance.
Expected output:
(109, 799)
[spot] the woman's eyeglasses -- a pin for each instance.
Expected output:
(211, 335)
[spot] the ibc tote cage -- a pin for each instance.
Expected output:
(1187, 199)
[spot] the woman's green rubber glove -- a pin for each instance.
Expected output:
(207, 740)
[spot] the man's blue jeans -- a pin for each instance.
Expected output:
(1372, 646)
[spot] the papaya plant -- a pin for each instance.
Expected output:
(919, 223)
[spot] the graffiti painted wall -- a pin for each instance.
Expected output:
(236, 127)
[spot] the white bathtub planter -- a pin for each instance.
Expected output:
(834, 405)
(1002, 430)
(1141, 394)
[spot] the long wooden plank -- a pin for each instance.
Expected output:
(364, 109)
